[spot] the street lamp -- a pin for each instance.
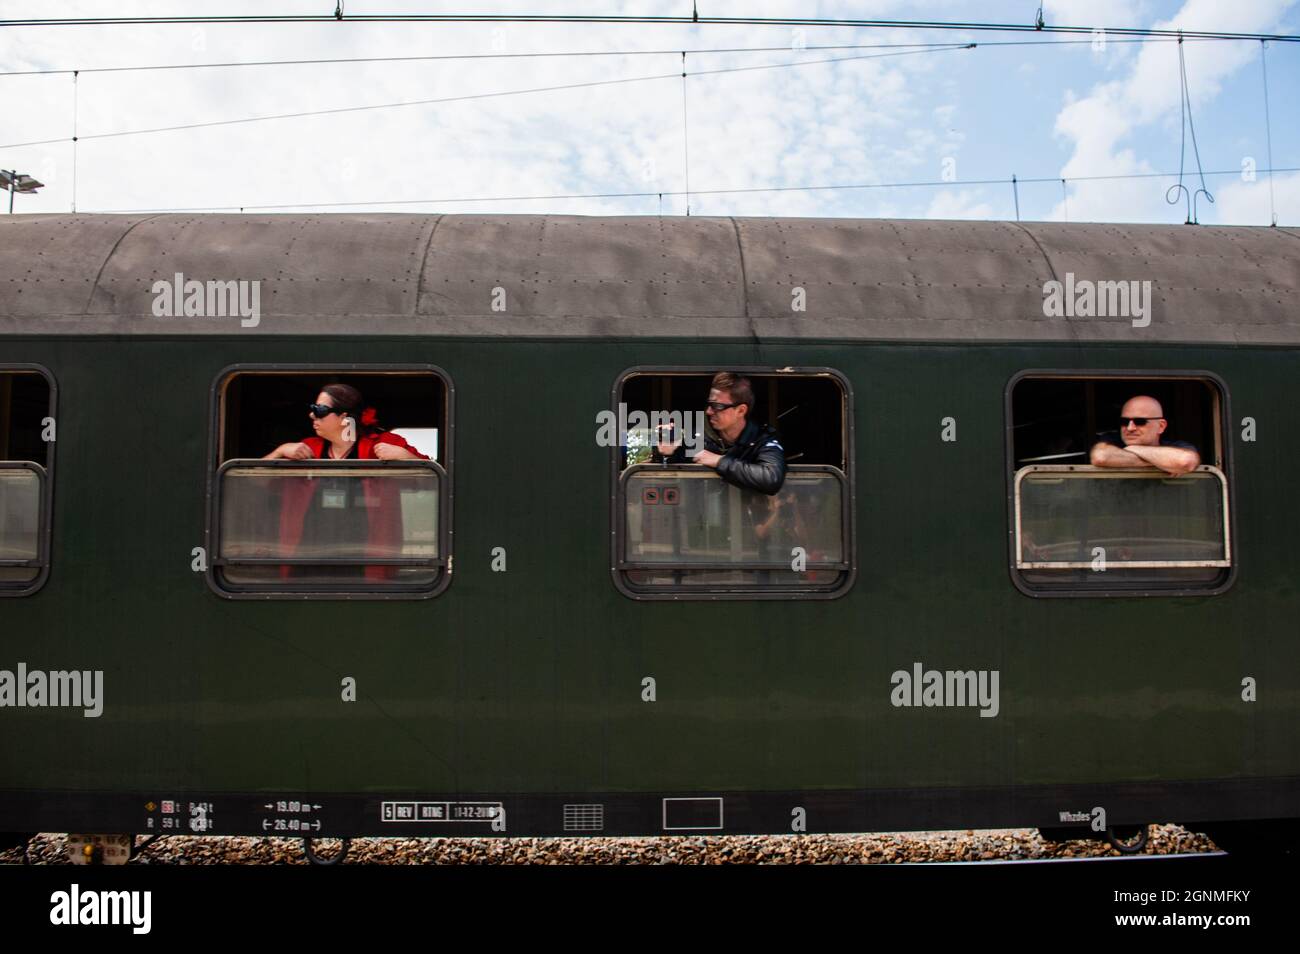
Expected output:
(17, 183)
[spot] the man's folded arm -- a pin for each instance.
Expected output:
(766, 475)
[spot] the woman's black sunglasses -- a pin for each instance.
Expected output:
(325, 410)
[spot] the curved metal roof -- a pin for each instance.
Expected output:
(864, 279)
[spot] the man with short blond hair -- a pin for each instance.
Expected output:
(1140, 441)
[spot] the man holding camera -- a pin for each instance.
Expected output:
(743, 452)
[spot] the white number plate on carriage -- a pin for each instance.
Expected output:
(113, 849)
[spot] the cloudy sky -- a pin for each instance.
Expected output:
(1041, 111)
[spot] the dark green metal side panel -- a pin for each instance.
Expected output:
(530, 680)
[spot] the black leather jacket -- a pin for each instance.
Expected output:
(755, 462)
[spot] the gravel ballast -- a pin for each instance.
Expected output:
(893, 848)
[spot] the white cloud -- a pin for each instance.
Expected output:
(1247, 203)
(1094, 13)
(959, 204)
(821, 123)
(1099, 123)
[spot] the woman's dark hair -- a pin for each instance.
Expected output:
(349, 399)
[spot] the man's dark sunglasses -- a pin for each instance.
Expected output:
(1138, 421)
(325, 410)
(719, 407)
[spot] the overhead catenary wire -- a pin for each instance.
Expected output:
(1171, 194)
(459, 200)
(435, 57)
(74, 141)
(1268, 130)
(631, 20)
(588, 84)
(1185, 123)
(686, 139)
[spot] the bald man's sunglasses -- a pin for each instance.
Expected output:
(1137, 421)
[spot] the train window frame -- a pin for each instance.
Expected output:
(1222, 467)
(729, 592)
(45, 473)
(333, 590)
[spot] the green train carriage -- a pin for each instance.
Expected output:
(547, 649)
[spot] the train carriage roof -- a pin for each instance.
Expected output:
(865, 279)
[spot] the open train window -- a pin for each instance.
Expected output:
(682, 532)
(1092, 518)
(374, 523)
(27, 438)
